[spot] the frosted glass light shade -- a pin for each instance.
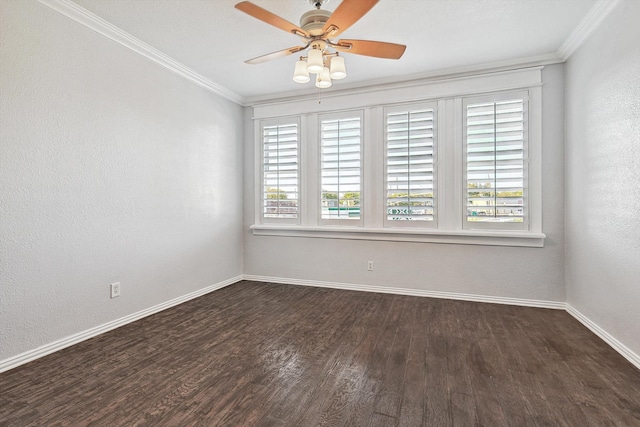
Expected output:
(324, 79)
(338, 69)
(314, 61)
(300, 74)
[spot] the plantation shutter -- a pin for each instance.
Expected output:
(341, 156)
(410, 165)
(280, 171)
(496, 133)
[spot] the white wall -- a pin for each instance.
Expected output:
(114, 169)
(603, 176)
(526, 273)
(111, 169)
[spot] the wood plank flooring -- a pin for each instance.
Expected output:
(262, 354)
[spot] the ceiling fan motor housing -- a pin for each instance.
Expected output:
(314, 20)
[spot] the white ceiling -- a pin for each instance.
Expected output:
(214, 39)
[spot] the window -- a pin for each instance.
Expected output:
(340, 166)
(449, 161)
(410, 154)
(280, 177)
(495, 142)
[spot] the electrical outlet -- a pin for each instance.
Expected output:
(115, 290)
(370, 266)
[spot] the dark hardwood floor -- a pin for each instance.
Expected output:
(260, 354)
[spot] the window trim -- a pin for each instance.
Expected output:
(432, 105)
(260, 166)
(497, 96)
(416, 235)
(448, 92)
(338, 116)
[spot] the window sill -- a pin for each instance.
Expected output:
(462, 237)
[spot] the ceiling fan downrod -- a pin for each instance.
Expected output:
(318, 3)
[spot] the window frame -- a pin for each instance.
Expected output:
(280, 121)
(410, 107)
(359, 222)
(497, 97)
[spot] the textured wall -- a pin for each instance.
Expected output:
(111, 169)
(529, 273)
(603, 179)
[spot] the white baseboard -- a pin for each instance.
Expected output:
(39, 352)
(28, 356)
(412, 292)
(625, 351)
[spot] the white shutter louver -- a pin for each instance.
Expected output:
(280, 171)
(410, 165)
(495, 168)
(341, 168)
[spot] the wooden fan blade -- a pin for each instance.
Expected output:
(275, 55)
(346, 15)
(371, 48)
(270, 18)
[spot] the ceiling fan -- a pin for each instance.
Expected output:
(318, 29)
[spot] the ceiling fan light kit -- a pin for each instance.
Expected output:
(315, 61)
(301, 73)
(338, 68)
(317, 29)
(323, 80)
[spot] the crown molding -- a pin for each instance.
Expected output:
(410, 80)
(578, 36)
(586, 27)
(82, 16)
